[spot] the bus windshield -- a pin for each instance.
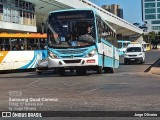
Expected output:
(71, 32)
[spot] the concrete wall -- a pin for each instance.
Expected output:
(17, 27)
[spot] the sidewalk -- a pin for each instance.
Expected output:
(156, 68)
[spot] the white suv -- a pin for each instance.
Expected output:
(134, 53)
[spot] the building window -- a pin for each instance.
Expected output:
(149, 5)
(158, 16)
(155, 27)
(16, 3)
(149, 0)
(147, 17)
(1, 9)
(158, 10)
(150, 11)
(158, 4)
(156, 22)
(17, 11)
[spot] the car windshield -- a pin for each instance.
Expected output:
(69, 33)
(134, 49)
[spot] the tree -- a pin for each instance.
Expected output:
(146, 38)
(152, 38)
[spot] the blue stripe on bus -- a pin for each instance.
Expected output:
(42, 54)
(108, 61)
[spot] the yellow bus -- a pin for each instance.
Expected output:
(147, 46)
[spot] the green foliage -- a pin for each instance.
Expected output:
(152, 38)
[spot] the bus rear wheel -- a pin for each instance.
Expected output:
(109, 70)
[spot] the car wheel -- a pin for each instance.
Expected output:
(144, 61)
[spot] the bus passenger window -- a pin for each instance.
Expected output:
(13, 47)
(3, 48)
(22, 47)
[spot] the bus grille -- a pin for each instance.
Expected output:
(73, 56)
(72, 61)
(80, 51)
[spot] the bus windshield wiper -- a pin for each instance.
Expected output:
(57, 39)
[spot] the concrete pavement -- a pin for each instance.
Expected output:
(155, 69)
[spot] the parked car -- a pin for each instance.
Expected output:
(134, 53)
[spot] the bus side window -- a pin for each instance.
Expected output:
(98, 28)
(22, 47)
(104, 33)
(109, 38)
(115, 43)
(4, 43)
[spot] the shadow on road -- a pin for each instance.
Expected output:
(43, 75)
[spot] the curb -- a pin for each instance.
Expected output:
(157, 63)
(154, 68)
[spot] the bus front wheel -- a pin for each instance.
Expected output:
(99, 70)
(61, 71)
(80, 72)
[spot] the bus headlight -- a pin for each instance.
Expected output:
(91, 53)
(52, 55)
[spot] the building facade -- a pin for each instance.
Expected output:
(114, 9)
(17, 15)
(151, 14)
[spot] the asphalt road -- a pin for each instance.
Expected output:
(151, 57)
(129, 89)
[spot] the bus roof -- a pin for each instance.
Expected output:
(76, 9)
(73, 10)
(22, 35)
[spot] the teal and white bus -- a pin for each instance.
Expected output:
(70, 47)
(122, 45)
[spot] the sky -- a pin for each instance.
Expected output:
(131, 8)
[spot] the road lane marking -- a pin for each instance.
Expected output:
(86, 92)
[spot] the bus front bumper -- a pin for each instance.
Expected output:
(72, 63)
